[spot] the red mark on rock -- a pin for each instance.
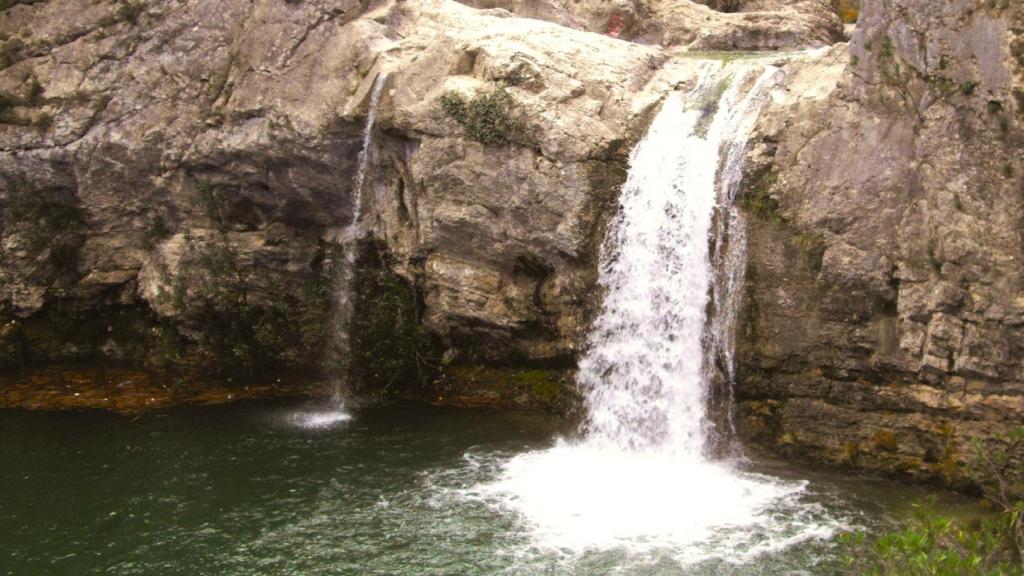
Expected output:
(615, 25)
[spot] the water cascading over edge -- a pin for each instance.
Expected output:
(640, 477)
(338, 351)
(652, 349)
(350, 244)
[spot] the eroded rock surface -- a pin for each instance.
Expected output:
(178, 174)
(707, 25)
(885, 309)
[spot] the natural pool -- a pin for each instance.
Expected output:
(275, 487)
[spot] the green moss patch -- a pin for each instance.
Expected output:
(504, 386)
(486, 118)
(390, 350)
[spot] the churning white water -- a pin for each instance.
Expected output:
(640, 478)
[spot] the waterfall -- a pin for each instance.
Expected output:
(363, 161)
(337, 354)
(645, 373)
(640, 477)
(343, 305)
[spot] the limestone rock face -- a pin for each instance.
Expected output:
(706, 25)
(170, 160)
(885, 319)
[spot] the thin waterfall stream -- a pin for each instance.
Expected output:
(338, 352)
(641, 477)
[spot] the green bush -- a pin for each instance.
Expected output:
(243, 325)
(969, 87)
(936, 545)
(486, 118)
(389, 345)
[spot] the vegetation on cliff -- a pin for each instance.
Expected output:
(938, 545)
(389, 346)
(485, 118)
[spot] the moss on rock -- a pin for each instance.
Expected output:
(486, 118)
(390, 349)
(506, 387)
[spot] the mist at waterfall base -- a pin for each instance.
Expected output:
(639, 478)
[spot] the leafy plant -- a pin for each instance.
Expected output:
(1000, 475)
(969, 87)
(388, 342)
(486, 118)
(937, 545)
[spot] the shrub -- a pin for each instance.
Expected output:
(848, 10)
(937, 545)
(1000, 475)
(244, 324)
(967, 88)
(486, 118)
(388, 342)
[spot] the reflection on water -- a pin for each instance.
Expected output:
(410, 489)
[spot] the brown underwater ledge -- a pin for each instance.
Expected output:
(128, 390)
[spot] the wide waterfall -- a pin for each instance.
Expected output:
(640, 477)
(644, 375)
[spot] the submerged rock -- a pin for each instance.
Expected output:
(131, 391)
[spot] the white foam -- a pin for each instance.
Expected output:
(640, 478)
(320, 419)
(580, 497)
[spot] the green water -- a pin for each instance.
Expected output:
(242, 489)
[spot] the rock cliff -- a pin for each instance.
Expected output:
(884, 319)
(177, 178)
